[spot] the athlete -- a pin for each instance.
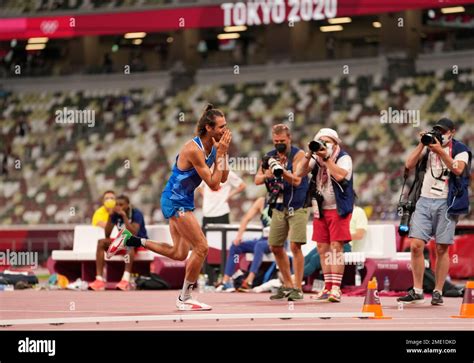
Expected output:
(193, 165)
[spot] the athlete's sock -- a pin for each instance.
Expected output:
(134, 242)
(336, 280)
(186, 291)
(100, 278)
(418, 291)
(126, 276)
(328, 282)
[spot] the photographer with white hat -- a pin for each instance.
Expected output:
(332, 195)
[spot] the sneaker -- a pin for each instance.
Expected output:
(118, 244)
(335, 294)
(412, 298)
(97, 285)
(282, 293)
(226, 287)
(323, 295)
(245, 287)
(191, 305)
(295, 294)
(437, 298)
(123, 285)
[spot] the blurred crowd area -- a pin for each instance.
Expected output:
(52, 172)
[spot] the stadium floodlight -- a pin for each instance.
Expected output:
(226, 36)
(35, 46)
(377, 24)
(339, 20)
(331, 28)
(135, 35)
(39, 40)
(452, 10)
(235, 28)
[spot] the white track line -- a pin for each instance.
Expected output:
(180, 317)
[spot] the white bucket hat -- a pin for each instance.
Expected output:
(328, 133)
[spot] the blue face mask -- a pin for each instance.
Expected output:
(281, 148)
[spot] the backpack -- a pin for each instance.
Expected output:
(152, 282)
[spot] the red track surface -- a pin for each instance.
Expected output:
(48, 304)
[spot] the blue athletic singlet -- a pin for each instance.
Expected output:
(178, 195)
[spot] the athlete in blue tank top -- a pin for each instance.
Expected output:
(178, 195)
(193, 165)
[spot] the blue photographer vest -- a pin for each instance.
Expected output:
(293, 196)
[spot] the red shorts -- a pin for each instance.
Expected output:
(332, 227)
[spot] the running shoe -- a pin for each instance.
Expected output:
(245, 287)
(323, 295)
(412, 298)
(437, 298)
(191, 305)
(282, 293)
(123, 285)
(295, 294)
(118, 244)
(97, 285)
(335, 294)
(226, 287)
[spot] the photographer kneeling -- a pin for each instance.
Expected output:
(332, 195)
(445, 163)
(287, 194)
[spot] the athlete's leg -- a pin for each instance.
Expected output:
(102, 246)
(178, 251)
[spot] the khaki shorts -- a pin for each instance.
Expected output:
(284, 222)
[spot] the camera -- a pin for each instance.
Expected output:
(316, 146)
(405, 209)
(272, 164)
(431, 136)
(274, 188)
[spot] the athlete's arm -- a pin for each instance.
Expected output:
(196, 158)
(109, 227)
(255, 209)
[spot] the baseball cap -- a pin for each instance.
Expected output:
(446, 124)
(328, 133)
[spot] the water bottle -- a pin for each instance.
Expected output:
(201, 283)
(358, 280)
(386, 284)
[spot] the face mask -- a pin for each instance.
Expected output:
(109, 203)
(446, 139)
(329, 148)
(281, 148)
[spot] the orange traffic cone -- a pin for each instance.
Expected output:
(372, 301)
(467, 306)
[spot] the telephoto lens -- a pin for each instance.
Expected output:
(315, 146)
(275, 167)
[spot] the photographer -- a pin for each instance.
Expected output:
(445, 163)
(332, 195)
(289, 216)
